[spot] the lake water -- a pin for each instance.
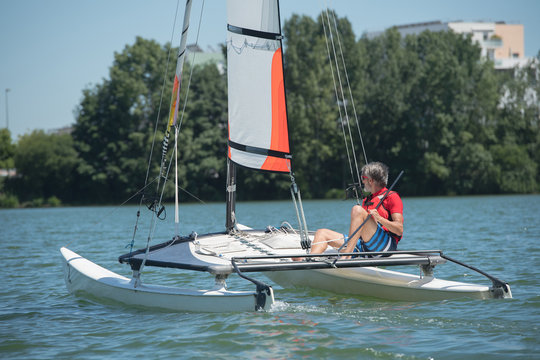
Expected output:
(499, 234)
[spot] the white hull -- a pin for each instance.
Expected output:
(365, 280)
(84, 277)
(384, 284)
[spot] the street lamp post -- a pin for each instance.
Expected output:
(7, 112)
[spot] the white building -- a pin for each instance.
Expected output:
(500, 42)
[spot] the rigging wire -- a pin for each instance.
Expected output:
(344, 100)
(156, 124)
(162, 92)
(338, 99)
(349, 87)
(192, 195)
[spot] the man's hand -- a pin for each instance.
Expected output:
(376, 216)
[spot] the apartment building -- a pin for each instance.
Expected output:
(502, 43)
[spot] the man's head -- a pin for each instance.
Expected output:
(376, 173)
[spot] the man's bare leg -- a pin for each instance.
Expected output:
(325, 237)
(358, 216)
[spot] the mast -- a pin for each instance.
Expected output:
(175, 104)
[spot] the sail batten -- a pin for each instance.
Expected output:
(253, 33)
(260, 151)
(257, 107)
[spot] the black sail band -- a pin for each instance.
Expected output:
(259, 151)
(254, 33)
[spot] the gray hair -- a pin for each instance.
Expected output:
(376, 171)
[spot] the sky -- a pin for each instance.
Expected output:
(51, 50)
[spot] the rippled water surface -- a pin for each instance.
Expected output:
(500, 235)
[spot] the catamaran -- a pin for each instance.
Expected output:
(258, 140)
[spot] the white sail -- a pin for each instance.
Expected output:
(258, 129)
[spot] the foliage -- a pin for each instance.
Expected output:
(202, 140)
(45, 165)
(115, 123)
(7, 149)
(8, 201)
(517, 153)
(427, 104)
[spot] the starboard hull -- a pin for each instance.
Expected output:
(384, 284)
(366, 277)
(87, 278)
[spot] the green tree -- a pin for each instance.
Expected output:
(517, 130)
(427, 95)
(45, 166)
(115, 127)
(392, 75)
(115, 122)
(7, 149)
(516, 170)
(203, 136)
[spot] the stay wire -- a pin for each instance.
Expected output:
(338, 99)
(162, 92)
(349, 87)
(157, 121)
(344, 100)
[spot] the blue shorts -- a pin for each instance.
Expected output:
(380, 241)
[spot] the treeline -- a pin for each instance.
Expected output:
(427, 104)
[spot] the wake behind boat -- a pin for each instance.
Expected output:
(258, 140)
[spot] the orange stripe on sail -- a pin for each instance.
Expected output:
(280, 132)
(276, 164)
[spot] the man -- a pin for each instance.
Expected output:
(381, 232)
